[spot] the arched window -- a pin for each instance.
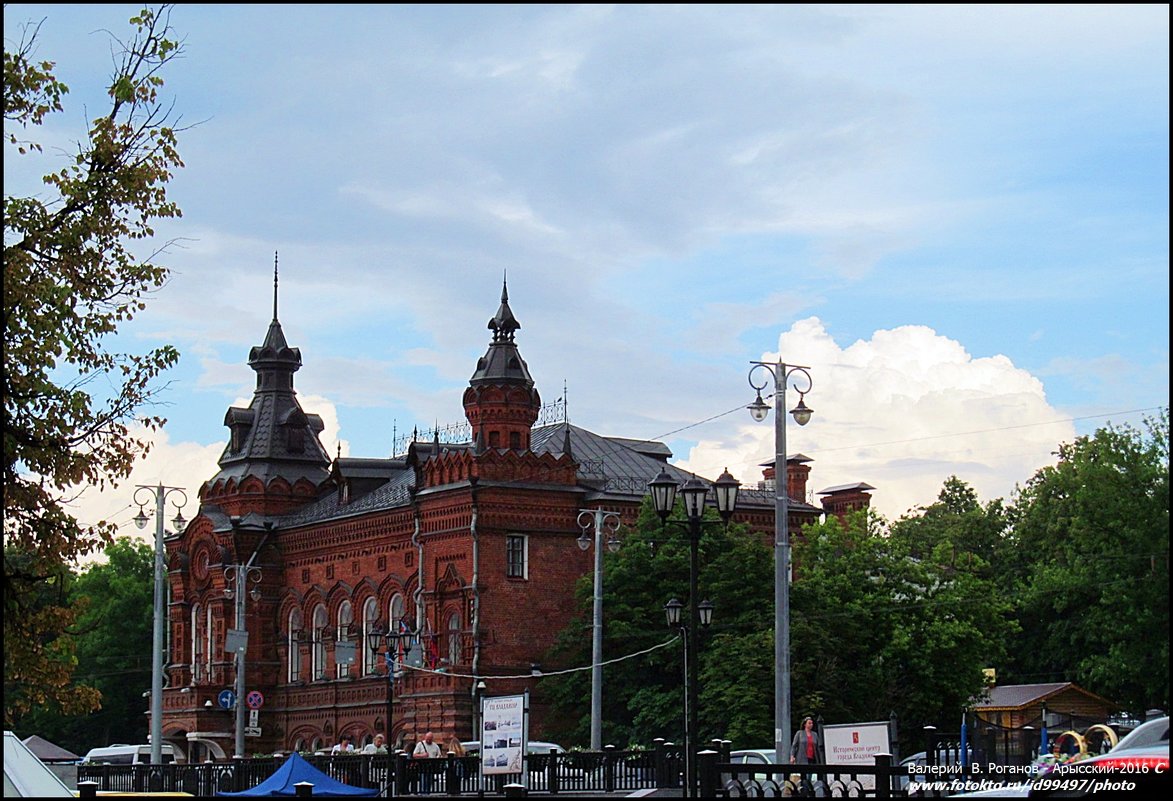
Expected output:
(396, 610)
(197, 644)
(454, 639)
(319, 650)
(295, 624)
(370, 621)
(345, 622)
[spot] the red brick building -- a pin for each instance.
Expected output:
(471, 543)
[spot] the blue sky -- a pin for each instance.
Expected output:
(956, 216)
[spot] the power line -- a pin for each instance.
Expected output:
(545, 673)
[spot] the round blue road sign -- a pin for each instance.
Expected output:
(227, 699)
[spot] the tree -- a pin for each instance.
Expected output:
(643, 696)
(113, 636)
(1094, 534)
(898, 618)
(71, 277)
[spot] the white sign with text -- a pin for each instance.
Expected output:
(856, 744)
(503, 734)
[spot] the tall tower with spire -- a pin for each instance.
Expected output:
(274, 461)
(501, 403)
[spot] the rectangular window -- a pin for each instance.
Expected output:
(516, 556)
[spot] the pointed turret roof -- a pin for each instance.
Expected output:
(502, 364)
(274, 436)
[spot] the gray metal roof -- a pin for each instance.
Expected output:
(395, 493)
(1013, 696)
(859, 485)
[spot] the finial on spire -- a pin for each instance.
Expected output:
(504, 323)
(274, 285)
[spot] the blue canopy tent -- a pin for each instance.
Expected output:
(284, 782)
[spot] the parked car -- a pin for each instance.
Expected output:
(754, 756)
(123, 754)
(533, 747)
(1145, 747)
(1141, 758)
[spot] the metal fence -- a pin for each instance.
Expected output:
(572, 773)
(398, 775)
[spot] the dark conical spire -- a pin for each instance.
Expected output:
(274, 436)
(275, 350)
(504, 323)
(274, 285)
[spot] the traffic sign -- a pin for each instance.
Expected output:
(252, 716)
(227, 699)
(252, 731)
(254, 699)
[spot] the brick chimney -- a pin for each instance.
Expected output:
(845, 498)
(797, 473)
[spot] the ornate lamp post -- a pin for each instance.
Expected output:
(396, 632)
(694, 491)
(602, 521)
(160, 499)
(781, 374)
(236, 580)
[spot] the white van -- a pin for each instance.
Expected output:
(123, 754)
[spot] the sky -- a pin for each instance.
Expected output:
(957, 217)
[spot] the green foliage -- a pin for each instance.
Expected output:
(901, 618)
(898, 618)
(1092, 533)
(643, 697)
(70, 279)
(113, 637)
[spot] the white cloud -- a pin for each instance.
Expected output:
(901, 411)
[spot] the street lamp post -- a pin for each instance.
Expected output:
(394, 633)
(160, 493)
(608, 521)
(781, 374)
(236, 579)
(694, 491)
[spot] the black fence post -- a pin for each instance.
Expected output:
(451, 779)
(552, 771)
(609, 768)
(304, 790)
(87, 789)
(659, 762)
(707, 767)
(883, 775)
(401, 773)
(930, 744)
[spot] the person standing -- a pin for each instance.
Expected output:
(427, 748)
(343, 746)
(804, 749)
(375, 746)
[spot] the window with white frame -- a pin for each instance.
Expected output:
(294, 649)
(345, 623)
(370, 620)
(197, 644)
(454, 654)
(517, 556)
(318, 655)
(209, 633)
